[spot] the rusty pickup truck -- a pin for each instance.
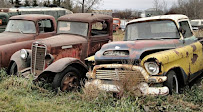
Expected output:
(160, 53)
(21, 31)
(60, 59)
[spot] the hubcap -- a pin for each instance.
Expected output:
(69, 82)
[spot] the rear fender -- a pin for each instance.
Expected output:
(62, 64)
(21, 64)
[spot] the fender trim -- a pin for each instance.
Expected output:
(61, 64)
(21, 64)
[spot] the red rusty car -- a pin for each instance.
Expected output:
(21, 31)
(116, 24)
(60, 59)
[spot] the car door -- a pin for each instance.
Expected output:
(101, 33)
(195, 52)
(45, 28)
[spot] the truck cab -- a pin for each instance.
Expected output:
(78, 37)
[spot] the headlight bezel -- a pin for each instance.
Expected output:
(152, 68)
(24, 54)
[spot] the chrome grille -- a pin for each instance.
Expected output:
(117, 74)
(38, 58)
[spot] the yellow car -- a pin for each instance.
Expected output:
(164, 55)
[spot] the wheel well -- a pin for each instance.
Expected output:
(80, 68)
(150, 52)
(180, 76)
(9, 66)
(48, 75)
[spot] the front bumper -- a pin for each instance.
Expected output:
(101, 74)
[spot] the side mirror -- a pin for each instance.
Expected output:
(182, 31)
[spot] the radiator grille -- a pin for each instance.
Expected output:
(117, 74)
(38, 58)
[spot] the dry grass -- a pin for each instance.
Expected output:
(118, 35)
(21, 95)
(198, 33)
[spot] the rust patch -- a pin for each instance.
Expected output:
(194, 59)
(187, 54)
(176, 52)
(194, 47)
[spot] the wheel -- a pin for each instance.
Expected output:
(172, 82)
(13, 70)
(67, 80)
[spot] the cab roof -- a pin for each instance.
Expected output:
(174, 17)
(85, 17)
(32, 17)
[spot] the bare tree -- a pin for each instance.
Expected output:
(192, 8)
(68, 4)
(160, 5)
(88, 5)
(4, 4)
(27, 3)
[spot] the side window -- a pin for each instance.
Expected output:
(185, 26)
(201, 22)
(100, 28)
(45, 26)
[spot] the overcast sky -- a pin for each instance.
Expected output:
(131, 4)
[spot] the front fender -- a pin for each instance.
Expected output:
(179, 57)
(21, 64)
(61, 64)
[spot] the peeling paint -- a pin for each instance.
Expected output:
(194, 59)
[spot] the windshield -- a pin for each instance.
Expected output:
(194, 23)
(152, 30)
(77, 28)
(21, 26)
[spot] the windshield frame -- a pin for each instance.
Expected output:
(126, 32)
(22, 20)
(88, 25)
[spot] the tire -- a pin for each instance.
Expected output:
(13, 70)
(67, 80)
(172, 82)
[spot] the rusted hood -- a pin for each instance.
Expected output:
(7, 37)
(62, 40)
(135, 48)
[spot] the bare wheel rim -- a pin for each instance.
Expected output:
(69, 82)
(175, 84)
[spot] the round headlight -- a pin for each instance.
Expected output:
(152, 68)
(23, 54)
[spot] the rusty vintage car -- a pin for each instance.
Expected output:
(116, 24)
(21, 31)
(60, 59)
(164, 55)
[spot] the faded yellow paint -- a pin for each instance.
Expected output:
(91, 58)
(189, 58)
